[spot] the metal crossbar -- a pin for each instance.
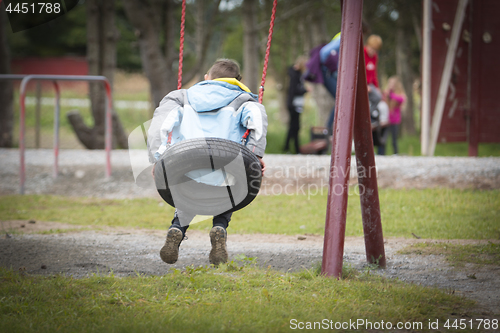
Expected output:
(54, 78)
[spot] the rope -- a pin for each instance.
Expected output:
(268, 49)
(266, 61)
(181, 45)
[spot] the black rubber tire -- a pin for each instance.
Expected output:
(208, 153)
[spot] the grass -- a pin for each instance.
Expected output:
(410, 145)
(430, 213)
(459, 255)
(206, 299)
(44, 232)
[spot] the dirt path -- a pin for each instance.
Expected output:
(129, 252)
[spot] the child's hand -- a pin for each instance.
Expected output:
(262, 164)
(153, 170)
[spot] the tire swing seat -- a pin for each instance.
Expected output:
(239, 167)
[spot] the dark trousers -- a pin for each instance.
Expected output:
(391, 130)
(293, 130)
(181, 220)
(330, 83)
(382, 140)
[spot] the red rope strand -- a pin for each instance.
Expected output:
(268, 49)
(266, 61)
(181, 45)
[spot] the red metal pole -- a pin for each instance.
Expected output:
(22, 128)
(109, 128)
(56, 129)
(333, 248)
(54, 78)
(367, 174)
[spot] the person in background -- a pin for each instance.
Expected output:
(329, 56)
(295, 101)
(373, 45)
(395, 97)
(322, 68)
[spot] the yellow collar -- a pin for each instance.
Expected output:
(235, 82)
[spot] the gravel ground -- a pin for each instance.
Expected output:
(128, 252)
(131, 252)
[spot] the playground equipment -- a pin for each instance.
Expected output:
(352, 112)
(239, 168)
(54, 78)
(235, 161)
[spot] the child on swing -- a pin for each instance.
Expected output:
(226, 109)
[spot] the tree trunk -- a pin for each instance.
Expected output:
(316, 31)
(404, 71)
(150, 17)
(250, 45)
(101, 57)
(95, 137)
(204, 29)
(6, 90)
(317, 28)
(324, 102)
(142, 15)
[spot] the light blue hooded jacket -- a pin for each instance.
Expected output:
(210, 108)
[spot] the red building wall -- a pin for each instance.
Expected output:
(54, 66)
(472, 108)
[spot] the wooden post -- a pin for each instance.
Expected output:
(367, 173)
(351, 109)
(426, 78)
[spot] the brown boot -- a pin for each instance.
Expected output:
(218, 238)
(170, 251)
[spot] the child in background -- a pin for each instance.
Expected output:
(395, 97)
(373, 45)
(295, 102)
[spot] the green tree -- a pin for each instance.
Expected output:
(101, 56)
(155, 24)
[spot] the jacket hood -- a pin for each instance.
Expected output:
(212, 95)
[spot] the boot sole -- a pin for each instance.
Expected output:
(218, 254)
(169, 253)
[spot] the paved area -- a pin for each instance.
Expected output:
(82, 173)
